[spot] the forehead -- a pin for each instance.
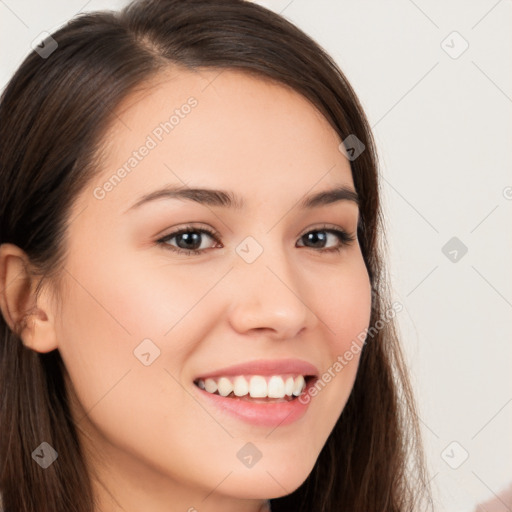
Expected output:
(221, 128)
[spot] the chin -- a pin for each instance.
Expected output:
(268, 481)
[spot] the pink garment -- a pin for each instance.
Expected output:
(501, 503)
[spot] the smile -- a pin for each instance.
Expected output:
(255, 386)
(262, 392)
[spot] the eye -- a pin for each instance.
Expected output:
(343, 237)
(189, 239)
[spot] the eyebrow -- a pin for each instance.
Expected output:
(227, 199)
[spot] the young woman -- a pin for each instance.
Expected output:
(195, 314)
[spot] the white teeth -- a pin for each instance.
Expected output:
(288, 387)
(298, 385)
(224, 386)
(240, 386)
(276, 387)
(210, 385)
(257, 387)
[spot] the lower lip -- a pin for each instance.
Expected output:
(271, 414)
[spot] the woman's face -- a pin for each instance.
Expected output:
(140, 322)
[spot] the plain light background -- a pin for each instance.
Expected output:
(442, 121)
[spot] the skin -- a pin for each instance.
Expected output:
(152, 445)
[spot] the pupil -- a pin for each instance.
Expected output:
(188, 238)
(314, 237)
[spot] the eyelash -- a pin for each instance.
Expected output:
(345, 239)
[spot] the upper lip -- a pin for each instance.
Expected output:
(264, 367)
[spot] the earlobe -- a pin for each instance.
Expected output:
(27, 315)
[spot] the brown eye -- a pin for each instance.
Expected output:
(188, 240)
(319, 237)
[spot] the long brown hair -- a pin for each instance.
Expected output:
(54, 113)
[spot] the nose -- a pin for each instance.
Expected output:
(268, 295)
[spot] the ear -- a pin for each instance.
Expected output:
(30, 317)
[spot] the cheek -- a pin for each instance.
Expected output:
(344, 311)
(151, 297)
(117, 310)
(101, 329)
(95, 341)
(344, 305)
(104, 318)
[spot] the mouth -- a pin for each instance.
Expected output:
(261, 392)
(257, 388)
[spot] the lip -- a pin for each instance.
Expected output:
(271, 414)
(259, 413)
(264, 367)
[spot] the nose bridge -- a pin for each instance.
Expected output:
(270, 294)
